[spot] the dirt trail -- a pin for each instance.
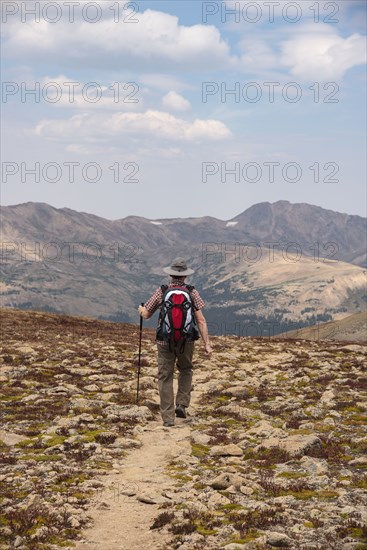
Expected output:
(124, 524)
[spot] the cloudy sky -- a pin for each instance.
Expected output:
(184, 108)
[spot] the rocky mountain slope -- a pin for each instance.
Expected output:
(351, 329)
(272, 455)
(273, 264)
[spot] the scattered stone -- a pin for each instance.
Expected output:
(111, 388)
(25, 350)
(233, 546)
(278, 540)
(295, 445)
(216, 499)
(280, 396)
(10, 438)
(31, 397)
(106, 396)
(314, 466)
(223, 481)
(328, 398)
(361, 460)
(265, 429)
(226, 450)
(200, 438)
(248, 491)
(240, 392)
(91, 388)
(359, 348)
(149, 498)
(103, 506)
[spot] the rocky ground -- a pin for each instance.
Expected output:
(274, 453)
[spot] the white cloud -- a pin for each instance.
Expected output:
(63, 91)
(150, 124)
(175, 102)
(306, 52)
(285, 10)
(156, 41)
(322, 55)
(258, 54)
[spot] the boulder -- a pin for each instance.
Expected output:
(296, 445)
(278, 540)
(226, 450)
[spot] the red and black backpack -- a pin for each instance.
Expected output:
(177, 319)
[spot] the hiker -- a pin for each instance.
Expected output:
(176, 343)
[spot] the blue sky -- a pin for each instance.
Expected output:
(293, 129)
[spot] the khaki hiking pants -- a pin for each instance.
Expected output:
(166, 367)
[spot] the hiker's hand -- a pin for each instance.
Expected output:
(208, 349)
(143, 312)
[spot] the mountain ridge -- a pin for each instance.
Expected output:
(300, 223)
(275, 261)
(234, 218)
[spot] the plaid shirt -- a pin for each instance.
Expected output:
(155, 301)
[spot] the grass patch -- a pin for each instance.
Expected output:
(198, 450)
(292, 475)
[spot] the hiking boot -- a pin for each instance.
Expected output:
(180, 411)
(168, 424)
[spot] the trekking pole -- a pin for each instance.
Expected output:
(140, 335)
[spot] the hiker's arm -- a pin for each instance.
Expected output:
(203, 328)
(151, 305)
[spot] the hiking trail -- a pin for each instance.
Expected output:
(122, 522)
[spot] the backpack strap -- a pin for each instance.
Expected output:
(163, 289)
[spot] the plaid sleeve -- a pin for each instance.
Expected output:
(197, 300)
(154, 301)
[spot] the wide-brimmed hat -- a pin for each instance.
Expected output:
(179, 268)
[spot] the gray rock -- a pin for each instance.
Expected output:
(248, 491)
(238, 391)
(355, 462)
(226, 450)
(91, 388)
(233, 546)
(223, 481)
(314, 466)
(150, 498)
(216, 499)
(10, 438)
(103, 506)
(279, 540)
(265, 429)
(328, 398)
(200, 438)
(355, 347)
(26, 350)
(126, 411)
(31, 397)
(296, 445)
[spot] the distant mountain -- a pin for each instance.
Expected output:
(308, 225)
(275, 263)
(351, 329)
